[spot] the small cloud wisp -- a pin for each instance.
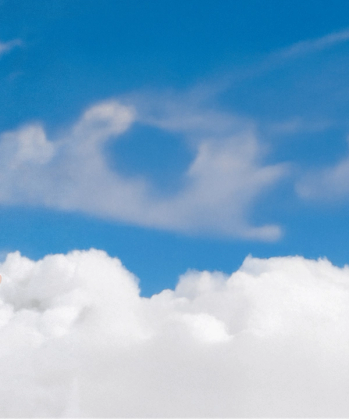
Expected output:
(6, 47)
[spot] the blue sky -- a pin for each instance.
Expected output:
(175, 134)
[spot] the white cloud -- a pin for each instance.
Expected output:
(77, 340)
(314, 45)
(8, 46)
(331, 183)
(71, 173)
(278, 58)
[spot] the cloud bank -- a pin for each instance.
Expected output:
(77, 340)
(71, 172)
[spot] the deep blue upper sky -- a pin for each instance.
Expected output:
(254, 94)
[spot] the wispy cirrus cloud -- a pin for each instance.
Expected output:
(297, 50)
(329, 183)
(6, 47)
(314, 45)
(276, 59)
(224, 178)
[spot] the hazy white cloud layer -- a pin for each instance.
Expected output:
(72, 173)
(77, 340)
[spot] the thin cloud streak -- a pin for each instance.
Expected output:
(314, 45)
(221, 83)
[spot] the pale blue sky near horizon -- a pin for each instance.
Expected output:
(259, 86)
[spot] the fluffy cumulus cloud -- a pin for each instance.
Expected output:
(71, 172)
(77, 340)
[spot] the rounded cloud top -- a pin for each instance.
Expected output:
(77, 340)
